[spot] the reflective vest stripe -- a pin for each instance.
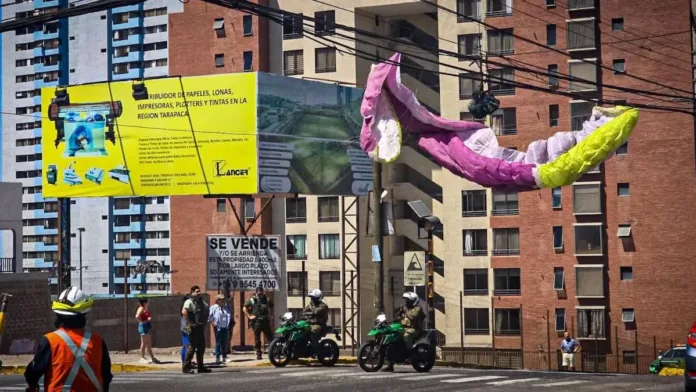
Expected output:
(79, 354)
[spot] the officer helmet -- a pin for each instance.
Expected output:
(72, 301)
(411, 298)
(316, 294)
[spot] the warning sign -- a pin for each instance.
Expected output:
(247, 261)
(414, 268)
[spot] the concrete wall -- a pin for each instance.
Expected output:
(28, 314)
(11, 220)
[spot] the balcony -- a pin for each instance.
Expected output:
(133, 73)
(577, 5)
(132, 244)
(133, 226)
(506, 292)
(127, 8)
(129, 58)
(131, 23)
(7, 265)
(133, 39)
(45, 35)
(405, 30)
(45, 3)
(41, 68)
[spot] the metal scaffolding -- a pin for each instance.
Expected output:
(350, 271)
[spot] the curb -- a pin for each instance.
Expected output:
(115, 368)
(353, 361)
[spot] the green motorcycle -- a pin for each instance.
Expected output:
(292, 341)
(389, 344)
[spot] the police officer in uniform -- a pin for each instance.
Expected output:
(413, 320)
(71, 358)
(258, 311)
(196, 313)
(317, 313)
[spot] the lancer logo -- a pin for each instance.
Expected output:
(221, 170)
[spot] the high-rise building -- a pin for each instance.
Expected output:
(116, 233)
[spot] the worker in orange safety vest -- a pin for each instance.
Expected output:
(70, 358)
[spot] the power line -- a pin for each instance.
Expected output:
(530, 41)
(259, 10)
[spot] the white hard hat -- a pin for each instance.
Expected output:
(411, 296)
(316, 293)
(72, 301)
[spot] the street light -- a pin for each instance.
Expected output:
(81, 230)
(428, 222)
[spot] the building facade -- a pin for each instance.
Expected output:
(118, 233)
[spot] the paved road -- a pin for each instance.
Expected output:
(350, 379)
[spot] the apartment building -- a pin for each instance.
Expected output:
(116, 233)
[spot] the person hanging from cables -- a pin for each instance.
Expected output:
(71, 358)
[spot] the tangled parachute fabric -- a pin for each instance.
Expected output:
(470, 149)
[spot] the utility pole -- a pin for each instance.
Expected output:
(377, 231)
(81, 230)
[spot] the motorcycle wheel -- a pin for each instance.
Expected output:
(367, 353)
(328, 346)
(276, 350)
(423, 358)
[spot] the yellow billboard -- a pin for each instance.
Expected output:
(186, 136)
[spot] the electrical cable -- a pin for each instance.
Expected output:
(371, 57)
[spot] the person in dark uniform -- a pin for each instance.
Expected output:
(317, 313)
(258, 310)
(195, 312)
(413, 320)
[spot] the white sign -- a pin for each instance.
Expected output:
(247, 261)
(414, 269)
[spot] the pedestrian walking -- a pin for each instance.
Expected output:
(196, 313)
(220, 319)
(142, 314)
(260, 307)
(569, 347)
(71, 358)
(184, 334)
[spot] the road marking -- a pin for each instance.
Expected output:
(472, 379)
(428, 377)
(508, 382)
(22, 388)
(324, 373)
(279, 370)
(555, 384)
(393, 375)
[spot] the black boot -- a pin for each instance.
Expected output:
(259, 355)
(204, 370)
(389, 368)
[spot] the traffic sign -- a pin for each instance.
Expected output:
(414, 268)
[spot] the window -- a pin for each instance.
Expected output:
(576, 5)
(219, 25)
(329, 246)
(293, 63)
(476, 281)
(221, 205)
(553, 75)
(297, 282)
(469, 44)
(328, 209)
(155, 29)
(121, 204)
(628, 315)
(507, 321)
(619, 66)
(551, 34)
(249, 208)
(558, 278)
(581, 34)
(579, 113)
(499, 7)
(292, 26)
(468, 8)
(477, 321)
(155, 12)
(588, 239)
(589, 281)
(500, 42)
(325, 22)
(504, 121)
(505, 203)
(475, 242)
(553, 115)
(330, 283)
(556, 198)
(623, 189)
(247, 25)
(623, 149)
(325, 60)
(297, 248)
(587, 199)
(335, 318)
(629, 357)
(626, 273)
(468, 83)
(582, 70)
(248, 61)
(617, 24)
(507, 281)
(296, 210)
(560, 320)
(502, 81)
(473, 203)
(591, 323)
(466, 116)
(506, 242)
(550, 3)
(558, 237)
(219, 60)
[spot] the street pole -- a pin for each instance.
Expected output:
(377, 232)
(81, 230)
(431, 281)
